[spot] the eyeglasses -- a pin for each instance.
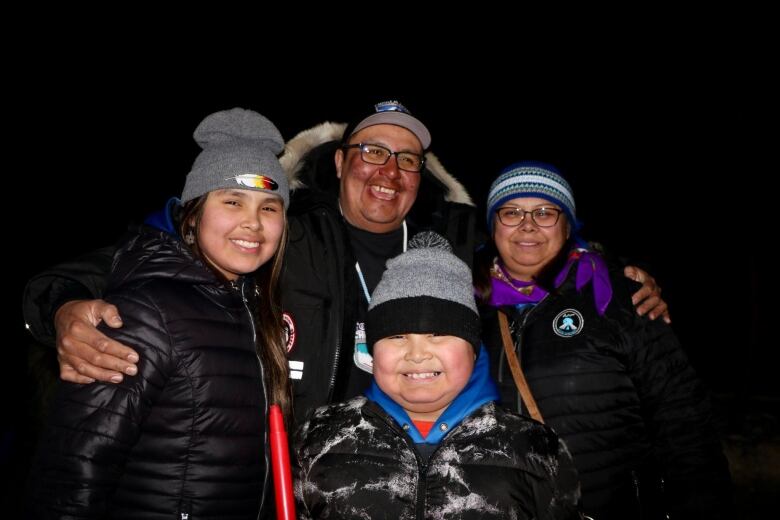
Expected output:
(542, 217)
(376, 154)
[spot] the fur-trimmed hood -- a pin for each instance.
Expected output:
(327, 136)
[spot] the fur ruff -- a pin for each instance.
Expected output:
(297, 147)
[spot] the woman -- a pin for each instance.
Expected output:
(615, 386)
(185, 438)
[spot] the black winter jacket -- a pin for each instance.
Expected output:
(187, 435)
(625, 400)
(357, 462)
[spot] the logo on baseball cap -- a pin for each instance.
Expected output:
(392, 113)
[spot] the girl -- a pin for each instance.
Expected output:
(187, 435)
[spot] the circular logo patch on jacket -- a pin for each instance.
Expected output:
(568, 323)
(288, 327)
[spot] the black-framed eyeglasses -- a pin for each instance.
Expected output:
(542, 217)
(377, 154)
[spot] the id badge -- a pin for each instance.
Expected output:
(362, 358)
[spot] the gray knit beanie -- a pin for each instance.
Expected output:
(424, 290)
(239, 151)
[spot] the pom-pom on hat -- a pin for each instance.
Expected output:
(391, 113)
(532, 179)
(425, 290)
(239, 151)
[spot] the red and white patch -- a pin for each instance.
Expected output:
(288, 330)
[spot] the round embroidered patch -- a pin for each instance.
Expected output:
(568, 323)
(288, 330)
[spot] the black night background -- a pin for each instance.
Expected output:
(663, 152)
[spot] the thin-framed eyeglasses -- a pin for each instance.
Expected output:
(377, 154)
(542, 217)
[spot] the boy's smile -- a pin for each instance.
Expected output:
(423, 372)
(422, 377)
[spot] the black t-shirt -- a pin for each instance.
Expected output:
(372, 251)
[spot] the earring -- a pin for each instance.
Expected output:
(189, 238)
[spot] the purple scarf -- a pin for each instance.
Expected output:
(590, 268)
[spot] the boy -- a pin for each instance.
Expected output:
(427, 440)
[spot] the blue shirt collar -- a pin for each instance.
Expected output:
(163, 219)
(479, 390)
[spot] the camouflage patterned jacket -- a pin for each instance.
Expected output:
(357, 462)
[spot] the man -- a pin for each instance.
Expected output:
(342, 229)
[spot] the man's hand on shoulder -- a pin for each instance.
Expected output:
(647, 299)
(85, 354)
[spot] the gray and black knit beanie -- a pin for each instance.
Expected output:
(425, 290)
(239, 151)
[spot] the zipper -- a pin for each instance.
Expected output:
(422, 486)
(184, 509)
(422, 467)
(422, 482)
(635, 482)
(519, 345)
(334, 371)
(337, 354)
(662, 484)
(265, 392)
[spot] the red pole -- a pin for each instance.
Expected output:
(280, 462)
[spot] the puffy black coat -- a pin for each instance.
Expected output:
(357, 462)
(625, 400)
(187, 435)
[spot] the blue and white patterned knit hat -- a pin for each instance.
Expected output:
(532, 179)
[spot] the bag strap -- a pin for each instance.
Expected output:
(517, 371)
